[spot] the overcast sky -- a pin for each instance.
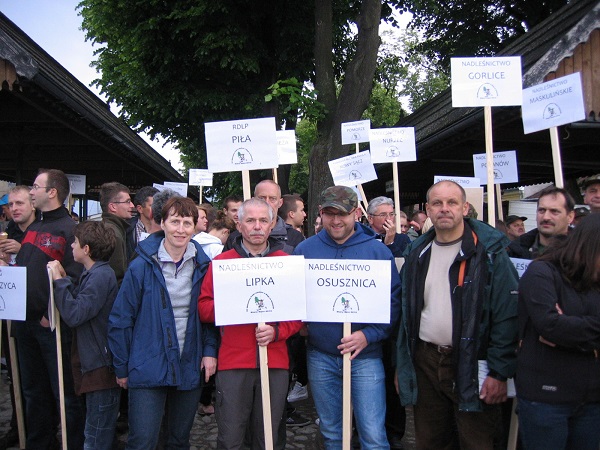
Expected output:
(55, 26)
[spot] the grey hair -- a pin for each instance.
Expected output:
(255, 202)
(377, 202)
(160, 198)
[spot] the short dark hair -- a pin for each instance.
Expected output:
(109, 192)
(576, 255)
(222, 221)
(416, 213)
(181, 206)
(160, 198)
(231, 199)
(100, 238)
(142, 195)
(289, 204)
(554, 191)
(58, 180)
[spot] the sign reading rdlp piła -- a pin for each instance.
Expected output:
(486, 81)
(254, 290)
(236, 145)
(349, 290)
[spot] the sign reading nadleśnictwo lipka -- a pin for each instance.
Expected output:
(237, 145)
(348, 290)
(254, 290)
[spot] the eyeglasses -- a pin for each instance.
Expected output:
(35, 187)
(330, 214)
(124, 201)
(384, 215)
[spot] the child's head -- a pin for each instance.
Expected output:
(98, 237)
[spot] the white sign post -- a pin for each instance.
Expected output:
(393, 145)
(13, 293)
(180, 188)
(347, 291)
(200, 178)
(259, 290)
(241, 145)
(465, 182)
(504, 170)
(549, 105)
(356, 133)
(487, 82)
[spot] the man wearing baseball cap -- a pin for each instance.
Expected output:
(591, 192)
(343, 238)
(515, 226)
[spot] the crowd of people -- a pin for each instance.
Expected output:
(136, 298)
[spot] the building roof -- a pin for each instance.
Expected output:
(50, 119)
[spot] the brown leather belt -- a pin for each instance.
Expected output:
(443, 349)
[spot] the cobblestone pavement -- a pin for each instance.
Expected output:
(204, 431)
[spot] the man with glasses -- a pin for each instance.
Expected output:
(346, 239)
(117, 206)
(47, 239)
(382, 219)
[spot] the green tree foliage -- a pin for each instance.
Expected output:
(473, 27)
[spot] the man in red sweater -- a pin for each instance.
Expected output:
(239, 404)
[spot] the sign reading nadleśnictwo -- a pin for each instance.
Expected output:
(254, 290)
(348, 290)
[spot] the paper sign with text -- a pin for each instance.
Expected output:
(76, 184)
(465, 182)
(392, 145)
(355, 132)
(253, 290)
(352, 169)
(200, 177)
(286, 147)
(348, 290)
(554, 103)
(13, 293)
(160, 187)
(180, 188)
(486, 81)
(505, 167)
(245, 144)
(521, 265)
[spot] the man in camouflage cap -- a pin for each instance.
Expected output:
(343, 238)
(591, 192)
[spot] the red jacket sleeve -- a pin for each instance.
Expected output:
(206, 299)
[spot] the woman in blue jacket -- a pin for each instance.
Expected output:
(159, 347)
(558, 370)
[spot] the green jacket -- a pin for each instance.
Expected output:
(484, 312)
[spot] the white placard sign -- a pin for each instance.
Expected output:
(286, 147)
(180, 188)
(392, 144)
(352, 169)
(253, 290)
(76, 184)
(13, 293)
(348, 290)
(486, 81)
(553, 103)
(505, 167)
(355, 132)
(465, 182)
(200, 177)
(245, 144)
(521, 265)
(160, 187)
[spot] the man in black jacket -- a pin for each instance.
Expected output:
(48, 239)
(554, 215)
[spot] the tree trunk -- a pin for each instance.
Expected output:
(354, 95)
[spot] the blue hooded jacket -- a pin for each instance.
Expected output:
(326, 336)
(141, 329)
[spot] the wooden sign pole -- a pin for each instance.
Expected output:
(16, 382)
(59, 362)
(489, 153)
(246, 184)
(266, 394)
(556, 159)
(396, 195)
(347, 398)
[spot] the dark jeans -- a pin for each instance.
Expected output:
(438, 422)
(563, 426)
(36, 348)
(102, 409)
